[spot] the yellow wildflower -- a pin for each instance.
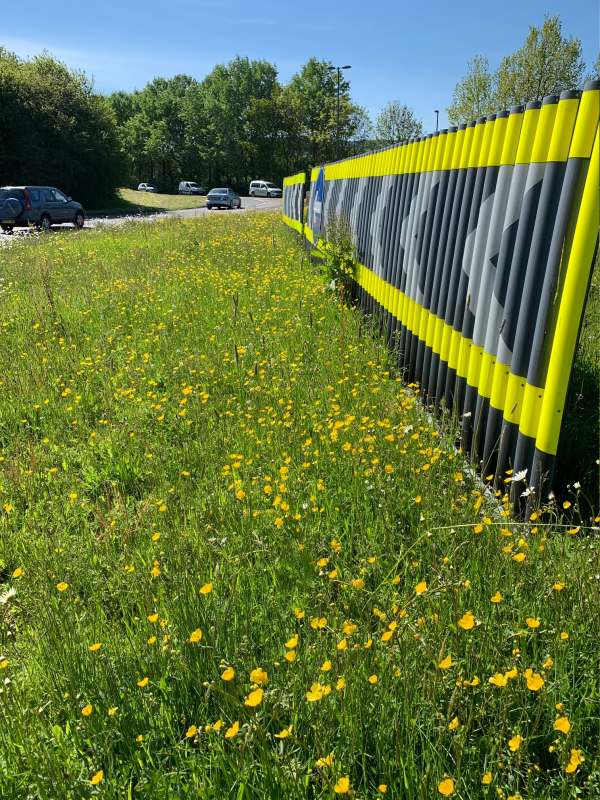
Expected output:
(446, 787)
(515, 742)
(562, 724)
(254, 699)
(467, 621)
(342, 786)
(258, 675)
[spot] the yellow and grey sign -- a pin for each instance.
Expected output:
(474, 248)
(293, 201)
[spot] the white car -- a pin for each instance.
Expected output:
(264, 189)
(191, 187)
(146, 187)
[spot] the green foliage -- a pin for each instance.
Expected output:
(473, 96)
(547, 63)
(55, 130)
(397, 123)
(313, 93)
(182, 404)
(236, 125)
(339, 256)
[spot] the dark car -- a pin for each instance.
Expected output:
(41, 206)
(223, 198)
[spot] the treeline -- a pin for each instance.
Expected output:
(237, 124)
(54, 129)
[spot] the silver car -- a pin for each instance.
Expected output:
(146, 187)
(223, 198)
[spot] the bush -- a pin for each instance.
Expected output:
(339, 257)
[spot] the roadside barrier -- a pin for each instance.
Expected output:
(474, 250)
(293, 201)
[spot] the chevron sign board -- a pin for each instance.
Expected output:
(474, 248)
(293, 201)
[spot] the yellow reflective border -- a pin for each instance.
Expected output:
(520, 402)
(554, 132)
(577, 273)
(292, 180)
(293, 223)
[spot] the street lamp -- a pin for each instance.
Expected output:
(339, 78)
(437, 118)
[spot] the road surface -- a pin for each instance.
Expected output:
(248, 204)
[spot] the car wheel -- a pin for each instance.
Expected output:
(79, 220)
(45, 223)
(7, 228)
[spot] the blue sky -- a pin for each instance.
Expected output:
(412, 52)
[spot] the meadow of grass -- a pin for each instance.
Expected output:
(130, 201)
(237, 560)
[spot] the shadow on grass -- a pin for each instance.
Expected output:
(120, 207)
(128, 202)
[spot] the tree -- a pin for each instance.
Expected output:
(397, 123)
(55, 130)
(222, 118)
(547, 63)
(474, 95)
(313, 93)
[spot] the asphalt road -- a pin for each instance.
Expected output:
(248, 204)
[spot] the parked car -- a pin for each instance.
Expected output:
(264, 189)
(146, 187)
(41, 206)
(223, 198)
(191, 187)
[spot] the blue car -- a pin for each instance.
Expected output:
(39, 206)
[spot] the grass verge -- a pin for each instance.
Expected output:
(237, 560)
(130, 201)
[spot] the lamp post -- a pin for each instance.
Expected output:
(437, 118)
(339, 78)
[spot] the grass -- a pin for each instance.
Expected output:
(130, 201)
(236, 559)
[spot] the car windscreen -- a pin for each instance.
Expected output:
(218, 191)
(271, 186)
